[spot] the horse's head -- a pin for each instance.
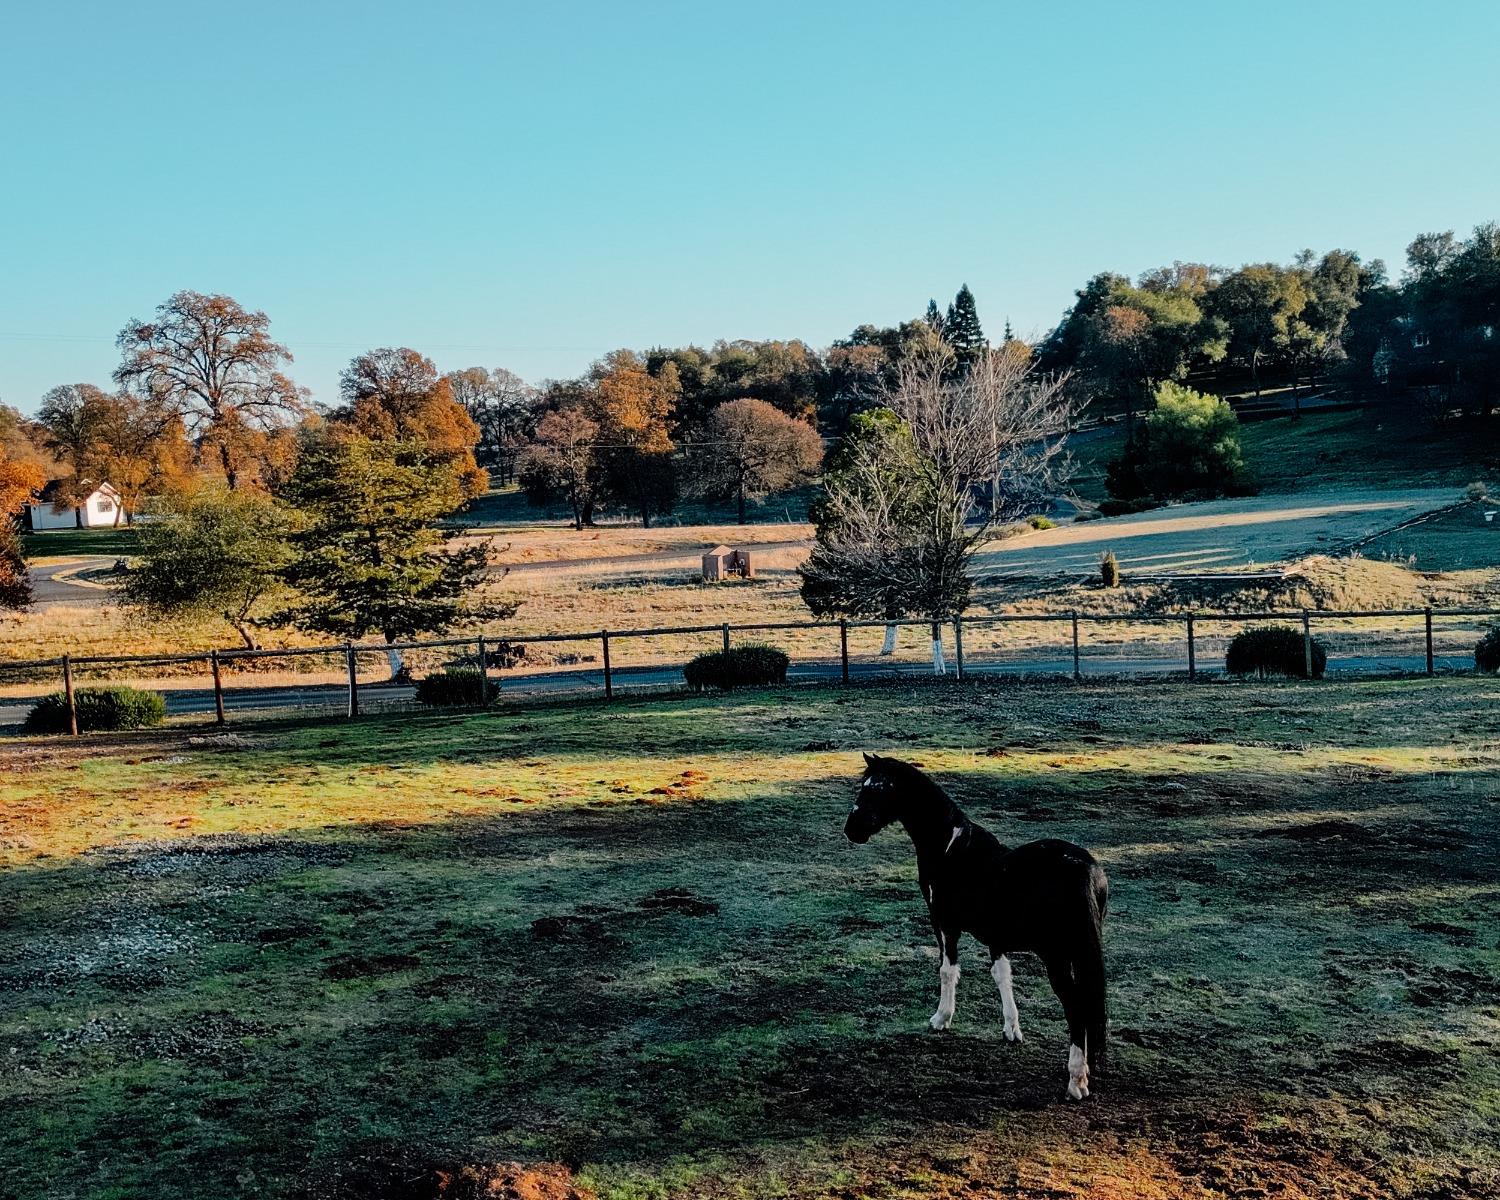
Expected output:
(875, 804)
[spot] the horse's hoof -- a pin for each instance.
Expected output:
(938, 1023)
(1077, 1091)
(1013, 1035)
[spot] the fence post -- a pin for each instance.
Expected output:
(844, 647)
(67, 664)
(726, 639)
(958, 645)
(353, 680)
(484, 675)
(1428, 617)
(1077, 674)
(1307, 657)
(609, 683)
(1192, 651)
(213, 662)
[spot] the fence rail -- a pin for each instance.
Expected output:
(1192, 642)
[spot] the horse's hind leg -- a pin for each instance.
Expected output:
(1060, 973)
(1000, 969)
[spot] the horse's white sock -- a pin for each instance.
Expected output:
(948, 986)
(1078, 1073)
(1001, 972)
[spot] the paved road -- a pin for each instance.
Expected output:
(559, 684)
(47, 588)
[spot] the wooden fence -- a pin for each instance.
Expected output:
(215, 660)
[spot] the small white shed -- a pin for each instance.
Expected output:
(723, 561)
(100, 509)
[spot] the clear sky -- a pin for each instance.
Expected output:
(531, 185)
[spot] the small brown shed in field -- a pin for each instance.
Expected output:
(723, 561)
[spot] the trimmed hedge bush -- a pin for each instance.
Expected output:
(456, 687)
(1487, 652)
(1273, 650)
(742, 666)
(101, 708)
(1041, 522)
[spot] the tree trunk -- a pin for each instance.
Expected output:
(393, 657)
(242, 627)
(231, 476)
(889, 645)
(939, 667)
(742, 502)
(1255, 371)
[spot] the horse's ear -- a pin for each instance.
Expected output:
(870, 760)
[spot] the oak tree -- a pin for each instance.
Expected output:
(213, 552)
(398, 396)
(750, 450)
(213, 362)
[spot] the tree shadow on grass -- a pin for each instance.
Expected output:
(643, 983)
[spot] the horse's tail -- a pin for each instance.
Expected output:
(1088, 969)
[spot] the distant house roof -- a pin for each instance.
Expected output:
(54, 488)
(719, 550)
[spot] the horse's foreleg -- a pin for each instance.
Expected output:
(1001, 971)
(947, 979)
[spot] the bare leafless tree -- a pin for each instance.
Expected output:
(904, 512)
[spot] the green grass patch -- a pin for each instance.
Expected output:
(1458, 540)
(629, 939)
(1379, 446)
(77, 543)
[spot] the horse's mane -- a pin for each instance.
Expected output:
(919, 781)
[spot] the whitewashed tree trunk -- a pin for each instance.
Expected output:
(393, 656)
(889, 645)
(939, 667)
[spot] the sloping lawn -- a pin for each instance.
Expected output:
(626, 948)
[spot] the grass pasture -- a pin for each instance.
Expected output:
(627, 948)
(1383, 445)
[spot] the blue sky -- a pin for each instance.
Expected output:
(532, 185)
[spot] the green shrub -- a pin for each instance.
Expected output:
(455, 687)
(1273, 650)
(98, 709)
(1189, 444)
(1109, 570)
(1041, 522)
(1487, 652)
(742, 666)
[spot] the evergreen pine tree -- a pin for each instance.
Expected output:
(934, 317)
(1009, 336)
(961, 327)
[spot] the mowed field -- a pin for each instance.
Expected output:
(625, 950)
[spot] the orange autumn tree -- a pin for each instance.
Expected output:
(397, 395)
(213, 363)
(131, 441)
(634, 411)
(19, 482)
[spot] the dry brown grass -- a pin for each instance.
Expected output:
(588, 596)
(524, 544)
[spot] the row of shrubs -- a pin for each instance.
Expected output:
(1262, 651)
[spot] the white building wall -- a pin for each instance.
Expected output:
(98, 513)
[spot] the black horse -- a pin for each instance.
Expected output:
(1047, 897)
